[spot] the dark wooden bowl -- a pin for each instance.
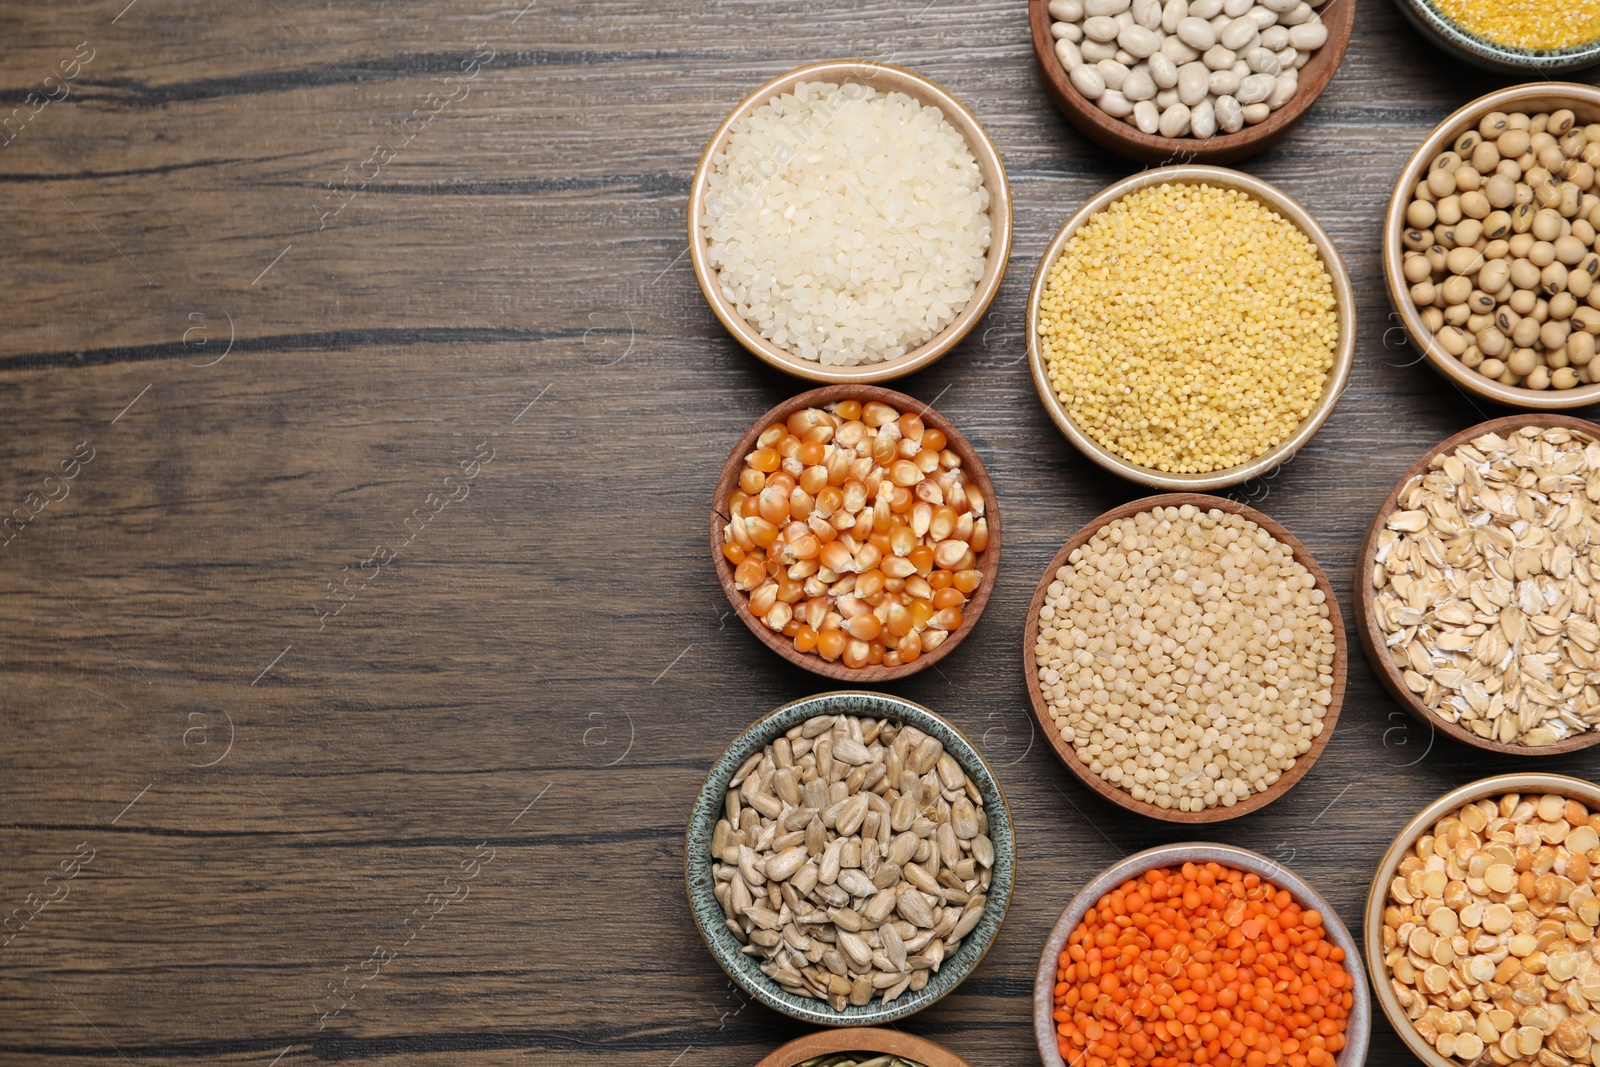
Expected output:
(1064, 752)
(1127, 140)
(864, 1039)
(1366, 610)
(988, 559)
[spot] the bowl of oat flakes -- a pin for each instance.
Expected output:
(1481, 920)
(1474, 586)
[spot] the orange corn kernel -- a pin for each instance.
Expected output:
(765, 460)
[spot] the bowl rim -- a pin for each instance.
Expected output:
(863, 1039)
(1065, 753)
(1394, 226)
(1378, 891)
(1371, 634)
(885, 77)
(1131, 142)
(1343, 356)
(977, 475)
(1484, 52)
(709, 801)
(1358, 1029)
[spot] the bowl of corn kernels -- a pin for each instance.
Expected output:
(1491, 247)
(1512, 35)
(1480, 925)
(1148, 344)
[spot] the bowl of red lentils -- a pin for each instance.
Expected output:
(1481, 920)
(1491, 247)
(855, 532)
(1155, 345)
(1200, 953)
(1512, 35)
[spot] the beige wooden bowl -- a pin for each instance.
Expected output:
(1069, 756)
(863, 1039)
(988, 559)
(1358, 1026)
(1584, 100)
(1586, 793)
(1372, 635)
(1338, 376)
(1128, 140)
(884, 78)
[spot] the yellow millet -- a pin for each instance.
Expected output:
(1535, 25)
(1188, 328)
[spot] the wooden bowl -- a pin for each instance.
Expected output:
(1584, 100)
(1343, 356)
(1065, 753)
(988, 559)
(1358, 1027)
(863, 1039)
(1586, 793)
(1372, 637)
(1127, 140)
(709, 807)
(884, 78)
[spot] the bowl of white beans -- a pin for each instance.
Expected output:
(1206, 81)
(1491, 246)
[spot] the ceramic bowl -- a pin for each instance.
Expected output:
(868, 1039)
(884, 78)
(1488, 55)
(1586, 793)
(1584, 100)
(1069, 756)
(988, 559)
(1358, 1029)
(1338, 376)
(708, 808)
(1127, 140)
(1372, 634)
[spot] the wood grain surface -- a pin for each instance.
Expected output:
(360, 655)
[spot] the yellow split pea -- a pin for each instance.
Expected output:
(1188, 328)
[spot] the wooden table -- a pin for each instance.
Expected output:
(366, 669)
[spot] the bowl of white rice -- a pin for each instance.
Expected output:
(850, 222)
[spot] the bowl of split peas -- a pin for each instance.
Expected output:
(1184, 948)
(854, 531)
(1491, 247)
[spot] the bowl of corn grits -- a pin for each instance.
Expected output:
(1190, 328)
(1512, 35)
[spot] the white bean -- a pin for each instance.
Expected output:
(1067, 31)
(1147, 13)
(1175, 12)
(1257, 112)
(1230, 116)
(1068, 10)
(1139, 41)
(1138, 86)
(1163, 71)
(1067, 52)
(1278, 7)
(1204, 9)
(1300, 59)
(1166, 98)
(1193, 83)
(1301, 12)
(1262, 61)
(1124, 20)
(1174, 49)
(1115, 104)
(1105, 7)
(1147, 117)
(1219, 22)
(1094, 51)
(1218, 57)
(1175, 121)
(1240, 69)
(1197, 33)
(1308, 35)
(1234, 8)
(1088, 81)
(1239, 34)
(1288, 83)
(1112, 73)
(1101, 28)
(1126, 58)
(1223, 82)
(1203, 120)
(1275, 37)
(1255, 88)
(1262, 17)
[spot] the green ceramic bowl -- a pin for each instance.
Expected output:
(708, 808)
(1481, 52)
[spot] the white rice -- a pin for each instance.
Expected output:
(847, 225)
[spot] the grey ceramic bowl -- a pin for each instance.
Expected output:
(1358, 1029)
(708, 915)
(1488, 55)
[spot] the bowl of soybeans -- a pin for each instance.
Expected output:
(1480, 925)
(1491, 247)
